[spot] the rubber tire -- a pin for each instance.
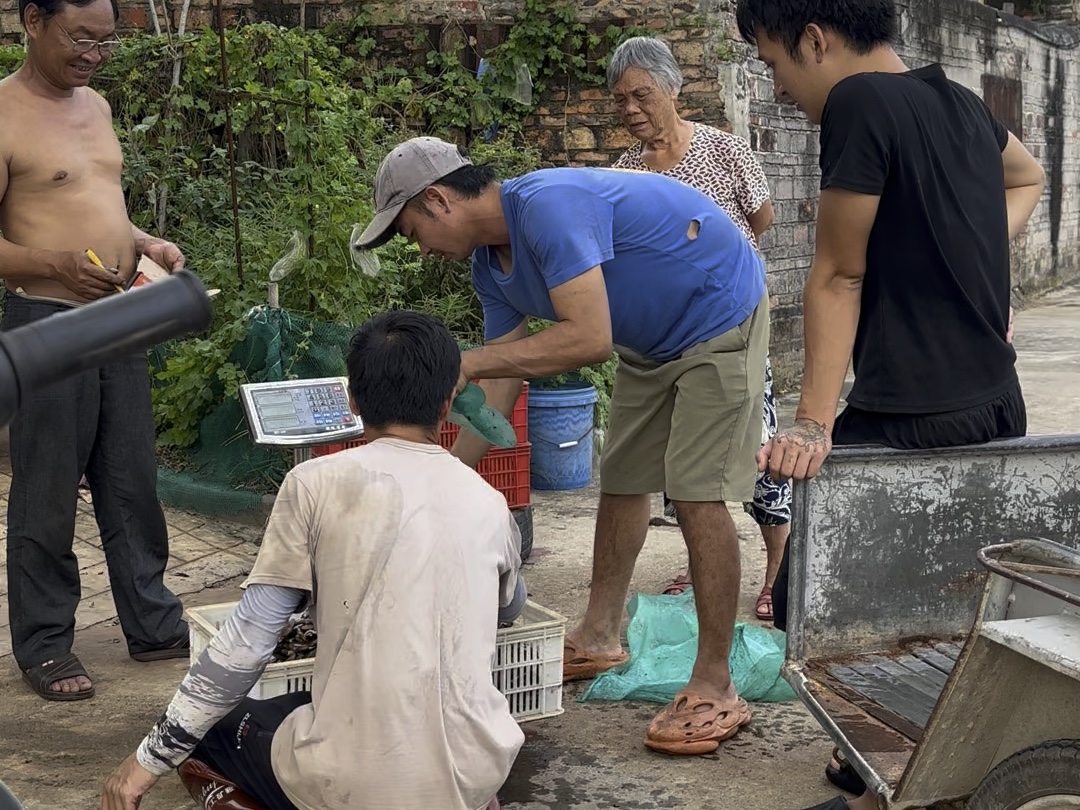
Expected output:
(1048, 769)
(7, 800)
(524, 517)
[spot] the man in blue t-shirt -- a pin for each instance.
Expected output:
(655, 269)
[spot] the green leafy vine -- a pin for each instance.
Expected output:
(312, 113)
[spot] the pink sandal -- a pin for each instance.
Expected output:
(763, 608)
(678, 586)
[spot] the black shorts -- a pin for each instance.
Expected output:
(238, 747)
(1004, 417)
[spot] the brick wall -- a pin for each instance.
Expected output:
(579, 126)
(787, 147)
(574, 125)
(135, 15)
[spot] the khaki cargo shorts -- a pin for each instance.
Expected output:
(690, 427)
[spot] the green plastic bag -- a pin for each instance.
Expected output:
(663, 637)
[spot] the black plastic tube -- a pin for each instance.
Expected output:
(46, 351)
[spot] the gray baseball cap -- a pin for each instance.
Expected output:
(404, 173)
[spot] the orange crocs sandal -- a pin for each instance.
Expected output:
(693, 724)
(581, 665)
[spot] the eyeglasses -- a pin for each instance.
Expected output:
(105, 47)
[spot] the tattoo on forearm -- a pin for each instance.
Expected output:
(811, 425)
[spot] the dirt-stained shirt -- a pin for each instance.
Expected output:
(408, 554)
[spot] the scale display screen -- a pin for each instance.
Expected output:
(299, 412)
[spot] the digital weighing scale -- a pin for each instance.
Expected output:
(300, 414)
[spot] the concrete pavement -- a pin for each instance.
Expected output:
(591, 757)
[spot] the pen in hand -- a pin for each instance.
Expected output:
(93, 257)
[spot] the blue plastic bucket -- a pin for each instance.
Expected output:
(561, 434)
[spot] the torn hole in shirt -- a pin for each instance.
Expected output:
(694, 229)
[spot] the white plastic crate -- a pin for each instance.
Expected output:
(528, 663)
(528, 660)
(279, 678)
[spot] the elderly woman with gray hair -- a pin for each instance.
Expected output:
(645, 81)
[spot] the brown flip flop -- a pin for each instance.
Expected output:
(581, 665)
(694, 724)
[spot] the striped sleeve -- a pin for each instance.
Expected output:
(225, 672)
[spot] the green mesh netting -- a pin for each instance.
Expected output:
(228, 474)
(186, 490)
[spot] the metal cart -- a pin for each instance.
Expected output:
(937, 681)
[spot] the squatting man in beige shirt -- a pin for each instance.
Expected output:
(406, 555)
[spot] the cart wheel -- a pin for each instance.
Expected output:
(7, 801)
(524, 518)
(1043, 777)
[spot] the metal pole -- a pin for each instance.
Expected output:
(307, 158)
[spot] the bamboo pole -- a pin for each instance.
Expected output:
(229, 142)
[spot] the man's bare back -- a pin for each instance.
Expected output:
(60, 187)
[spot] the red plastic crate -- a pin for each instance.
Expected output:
(519, 420)
(506, 470)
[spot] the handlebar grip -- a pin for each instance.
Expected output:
(46, 351)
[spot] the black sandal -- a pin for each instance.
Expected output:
(844, 777)
(181, 648)
(43, 676)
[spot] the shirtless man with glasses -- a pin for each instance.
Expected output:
(61, 198)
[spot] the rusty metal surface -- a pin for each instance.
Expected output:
(1051, 563)
(885, 750)
(891, 684)
(840, 718)
(865, 722)
(898, 688)
(884, 542)
(877, 751)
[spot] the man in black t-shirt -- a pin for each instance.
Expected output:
(921, 191)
